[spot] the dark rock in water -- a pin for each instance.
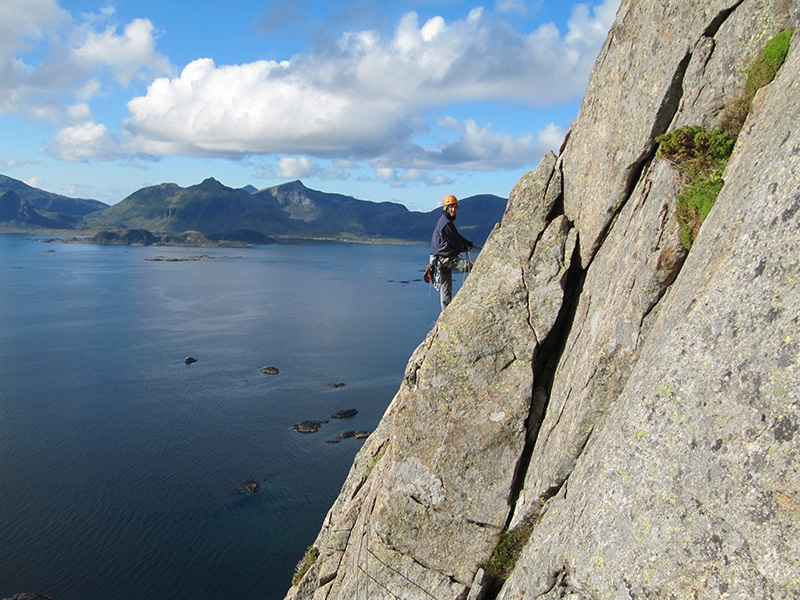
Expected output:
(249, 486)
(131, 237)
(359, 435)
(179, 259)
(269, 370)
(308, 426)
(337, 384)
(342, 436)
(189, 360)
(345, 414)
(25, 596)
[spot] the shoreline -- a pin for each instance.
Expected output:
(87, 237)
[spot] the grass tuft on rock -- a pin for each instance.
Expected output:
(308, 560)
(700, 155)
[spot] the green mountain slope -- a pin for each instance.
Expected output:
(24, 206)
(290, 210)
(209, 207)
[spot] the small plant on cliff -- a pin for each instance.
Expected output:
(308, 560)
(700, 155)
(695, 149)
(761, 72)
(768, 62)
(508, 549)
(375, 461)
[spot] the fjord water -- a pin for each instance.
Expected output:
(119, 463)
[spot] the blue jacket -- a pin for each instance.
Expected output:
(446, 241)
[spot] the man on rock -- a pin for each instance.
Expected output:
(446, 245)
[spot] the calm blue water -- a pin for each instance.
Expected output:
(119, 463)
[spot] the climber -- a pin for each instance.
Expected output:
(446, 244)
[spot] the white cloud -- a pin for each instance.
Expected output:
(474, 148)
(21, 31)
(15, 163)
(480, 148)
(441, 180)
(366, 97)
(130, 54)
(67, 60)
(551, 138)
(296, 168)
(340, 172)
(80, 143)
(21, 27)
(79, 112)
(511, 6)
(399, 178)
(413, 175)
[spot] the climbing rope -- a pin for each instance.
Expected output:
(398, 573)
(365, 569)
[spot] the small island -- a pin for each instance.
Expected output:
(179, 259)
(308, 426)
(345, 414)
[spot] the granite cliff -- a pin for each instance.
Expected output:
(606, 411)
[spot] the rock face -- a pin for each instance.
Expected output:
(631, 404)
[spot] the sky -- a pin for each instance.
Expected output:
(400, 100)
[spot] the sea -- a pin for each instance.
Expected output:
(121, 465)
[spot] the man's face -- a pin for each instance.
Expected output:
(452, 209)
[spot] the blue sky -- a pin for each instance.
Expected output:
(401, 100)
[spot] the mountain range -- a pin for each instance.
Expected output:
(287, 212)
(26, 207)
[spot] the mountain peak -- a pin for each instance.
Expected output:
(210, 184)
(290, 186)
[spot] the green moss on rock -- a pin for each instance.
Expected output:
(508, 549)
(700, 155)
(766, 65)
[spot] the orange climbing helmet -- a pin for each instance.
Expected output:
(448, 200)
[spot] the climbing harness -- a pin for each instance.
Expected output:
(433, 272)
